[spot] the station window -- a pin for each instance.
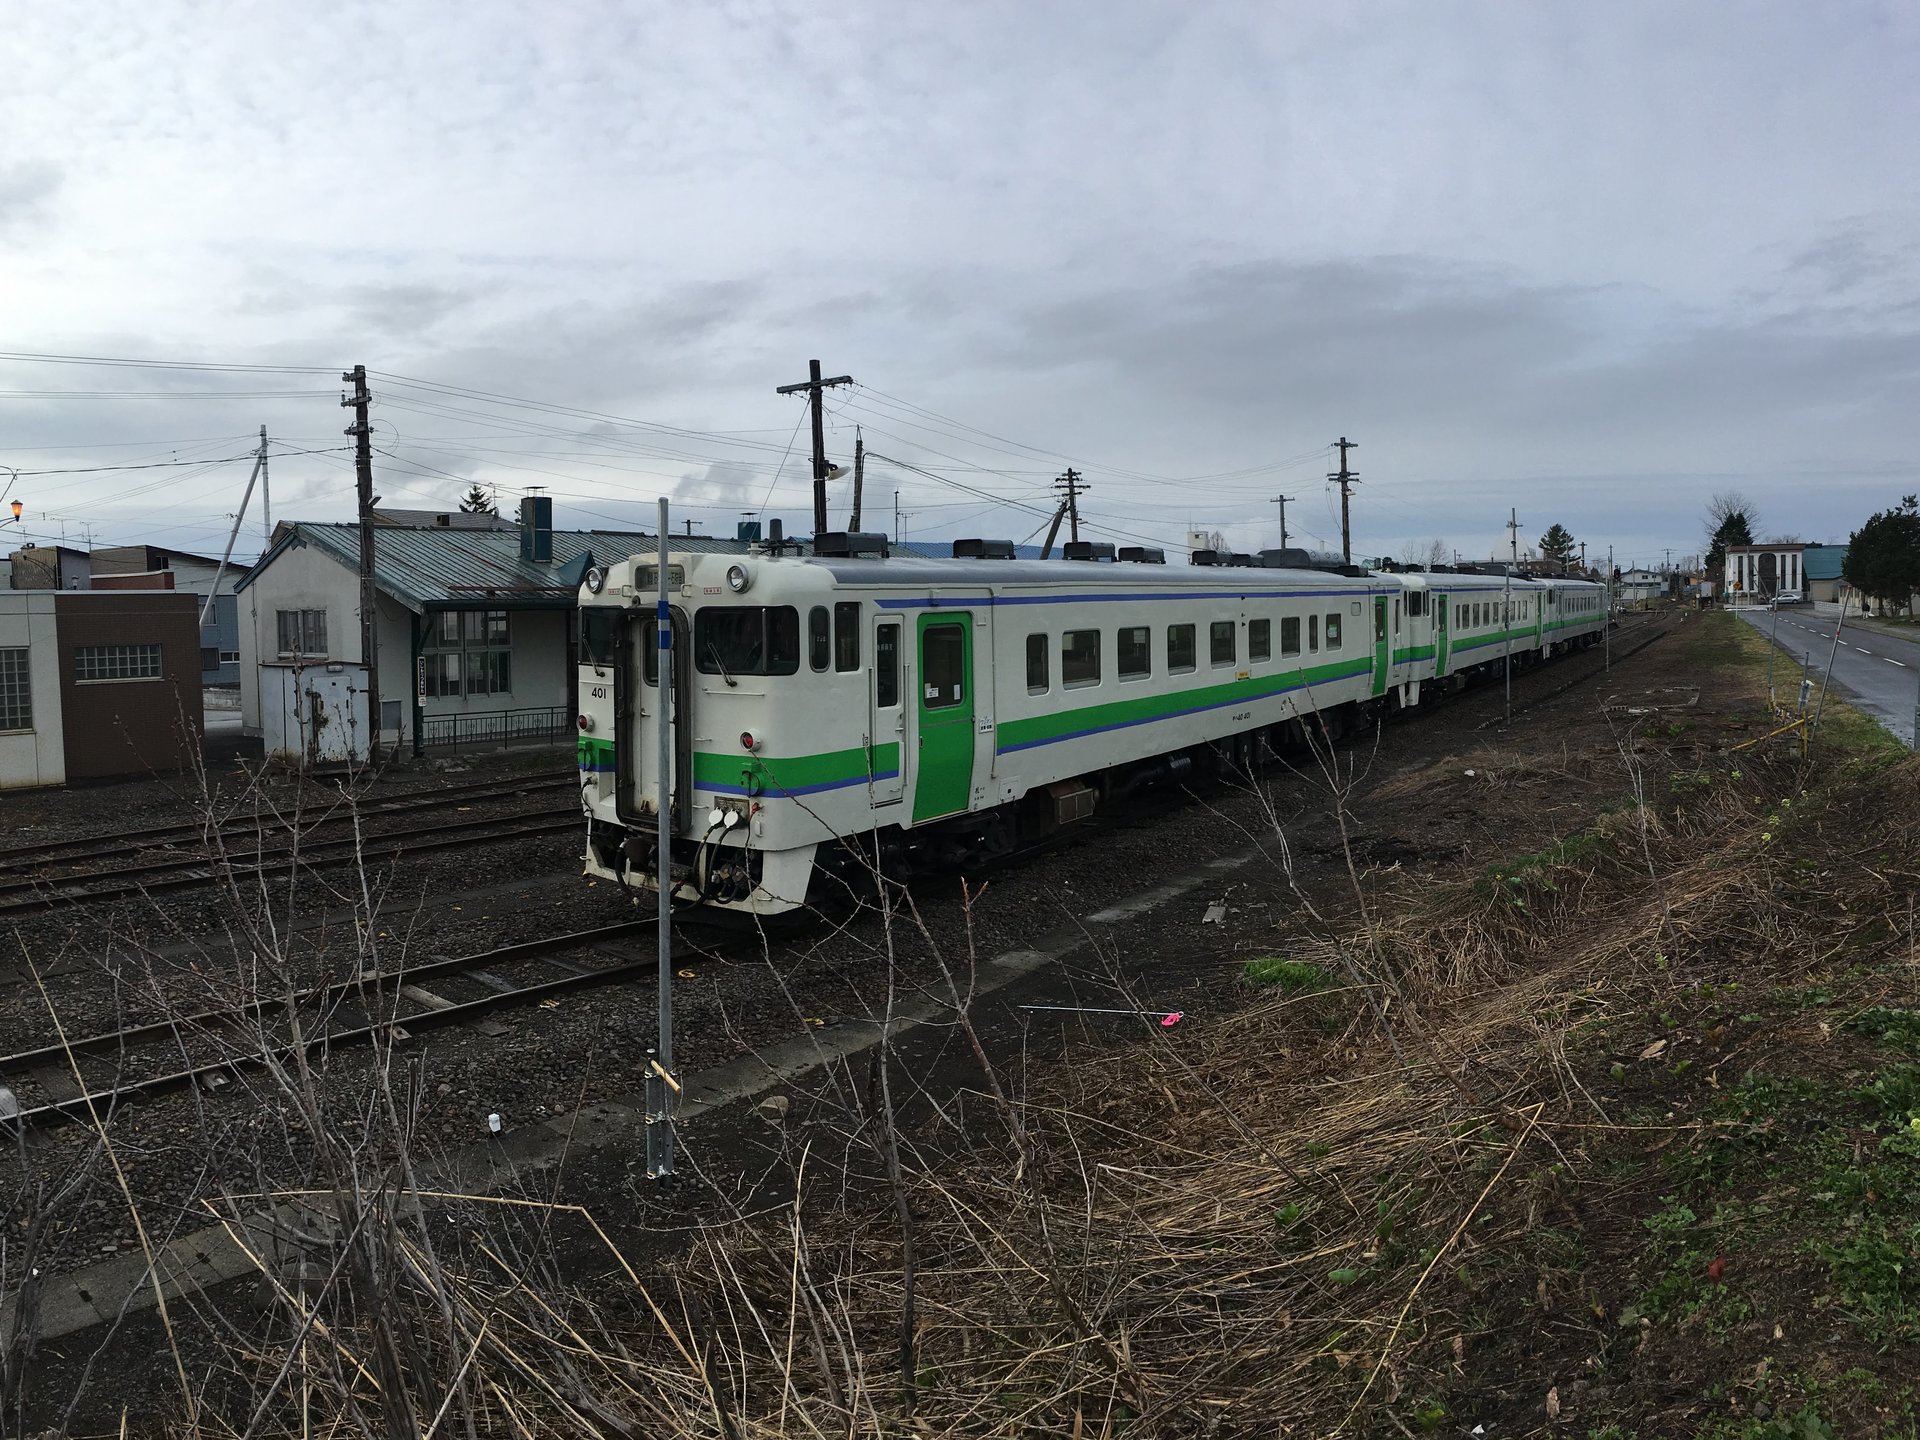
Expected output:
(302, 632)
(1080, 658)
(1133, 648)
(1259, 640)
(1181, 653)
(16, 690)
(1313, 634)
(846, 635)
(116, 662)
(1036, 664)
(1220, 642)
(467, 652)
(1290, 635)
(1333, 631)
(819, 638)
(886, 667)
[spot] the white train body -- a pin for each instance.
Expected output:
(831, 714)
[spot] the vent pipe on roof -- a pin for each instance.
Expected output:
(536, 529)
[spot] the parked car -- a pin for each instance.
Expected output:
(1788, 597)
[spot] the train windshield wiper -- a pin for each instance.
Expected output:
(725, 674)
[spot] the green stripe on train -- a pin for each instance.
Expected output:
(595, 754)
(795, 772)
(1161, 707)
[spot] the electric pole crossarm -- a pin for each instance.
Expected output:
(815, 386)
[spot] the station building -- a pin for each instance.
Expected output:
(97, 684)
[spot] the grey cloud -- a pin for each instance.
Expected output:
(27, 189)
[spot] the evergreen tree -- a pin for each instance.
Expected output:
(1730, 521)
(1883, 555)
(1558, 545)
(478, 501)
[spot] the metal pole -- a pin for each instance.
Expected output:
(1506, 644)
(1606, 626)
(1773, 644)
(1826, 683)
(659, 1092)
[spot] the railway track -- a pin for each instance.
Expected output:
(90, 1074)
(43, 854)
(28, 894)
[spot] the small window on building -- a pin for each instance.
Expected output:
(1037, 648)
(1313, 634)
(886, 666)
(1134, 647)
(846, 635)
(468, 652)
(16, 689)
(1333, 631)
(94, 663)
(303, 633)
(819, 638)
(1080, 658)
(1220, 642)
(1290, 635)
(1180, 648)
(1259, 640)
(229, 657)
(209, 658)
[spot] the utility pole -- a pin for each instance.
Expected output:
(259, 473)
(1069, 485)
(689, 524)
(363, 475)
(266, 501)
(859, 475)
(1281, 501)
(814, 385)
(1583, 555)
(1606, 628)
(1346, 479)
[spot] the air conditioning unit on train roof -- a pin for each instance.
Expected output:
(1087, 550)
(984, 550)
(850, 545)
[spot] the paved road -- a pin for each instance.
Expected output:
(1878, 673)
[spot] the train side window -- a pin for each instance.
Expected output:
(1396, 617)
(846, 635)
(1036, 664)
(1220, 641)
(1460, 616)
(1181, 651)
(1416, 602)
(1133, 648)
(1290, 635)
(1313, 634)
(1259, 640)
(1333, 631)
(1080, 658)
(886, 667)
(819, 640)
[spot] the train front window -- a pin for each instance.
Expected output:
(846, 635)
(599, 624)
(734, 640)
(819, 640)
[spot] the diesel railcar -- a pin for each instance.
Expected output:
(840, 711)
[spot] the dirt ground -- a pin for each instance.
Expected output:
(1553, 1079)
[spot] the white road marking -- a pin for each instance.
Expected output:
(1863, 650)
(1901, 663)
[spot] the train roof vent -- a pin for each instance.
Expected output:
(983, 550)
(849, 544)
(1087, 550)
(1142, 555)
(1240, 557)
(1207, 557)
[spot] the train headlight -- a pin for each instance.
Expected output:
(739, 578)
(596, 579)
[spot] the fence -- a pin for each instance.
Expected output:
(544, 725)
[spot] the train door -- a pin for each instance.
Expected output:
(943, 768)
(1442, 609)
(886, 716)
(1382, 645)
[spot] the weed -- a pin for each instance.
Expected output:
(1291, 977)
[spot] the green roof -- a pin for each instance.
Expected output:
(437, 568)
(1823, 562)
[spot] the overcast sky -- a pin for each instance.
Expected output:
(1590, 262)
